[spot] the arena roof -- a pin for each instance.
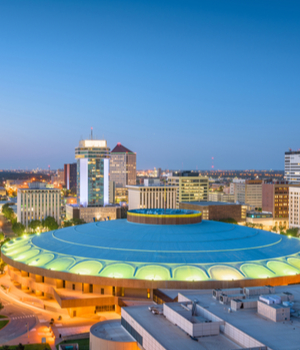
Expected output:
(207, 250)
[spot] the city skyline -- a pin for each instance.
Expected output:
(178, 82)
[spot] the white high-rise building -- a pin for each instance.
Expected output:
(92, 173)
(294, 208)
(292, 166)
(37, 203)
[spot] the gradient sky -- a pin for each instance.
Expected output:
(175, 81)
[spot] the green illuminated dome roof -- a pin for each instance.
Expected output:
(192, 252)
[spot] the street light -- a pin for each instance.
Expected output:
(27, 325)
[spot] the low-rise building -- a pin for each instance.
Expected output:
(151, 196)
(197, 321)
(90, 214)
(263, 219)
(220, 197)
(215, 210)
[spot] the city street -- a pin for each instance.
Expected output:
(30, 324)
(21, 320)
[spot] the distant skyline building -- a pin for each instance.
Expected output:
(70, 176)
(92, 173)
(249, 192)
(37, 203)
(122, 166)
(292, 166)
(190, 187)
(58, 178)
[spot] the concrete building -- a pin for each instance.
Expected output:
(151, 195)
(190, 187)
(70, 177)
(201, 321)
(260, 219)
(249, 192)
(92, 173)
(37, 202)
(91, 214)
(215, 210)
(292, 167)
(276, 200)
(122, 166)
(220, 197)
(87, 268)
(294, 207)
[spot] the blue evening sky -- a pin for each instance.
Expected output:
(178, 82)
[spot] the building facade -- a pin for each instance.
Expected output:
(215, 210)
(122, 166)
(70, 177)
(152, 197)
(275, 199)
(249, 192)
(262, 219)
(220, 197)
(292, 167)
(190, 188)
(91, 214)
(92, 173)
(37, 203)
(294, 212)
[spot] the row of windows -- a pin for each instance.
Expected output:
(132, 331)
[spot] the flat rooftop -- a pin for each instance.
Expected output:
(275, 335)
(111, 330)
(172, 337)
(205, 204)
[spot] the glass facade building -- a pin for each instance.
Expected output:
(92, 173)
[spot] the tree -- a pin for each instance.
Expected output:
(1, 306)
(35, 224)
(1, 236)
(74, 222)
(229, 221)
(50, 223)
(18, 228)
(7, 211)
(5, 347)
(274, 228)
(20, 347)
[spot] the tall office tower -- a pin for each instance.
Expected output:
(292, 166)
(92, 173)
(122, 166)
(275, 199)
(294, 212)
(37, 202)
(70, 176)
(190, 187)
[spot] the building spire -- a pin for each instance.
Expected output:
(91, 133)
